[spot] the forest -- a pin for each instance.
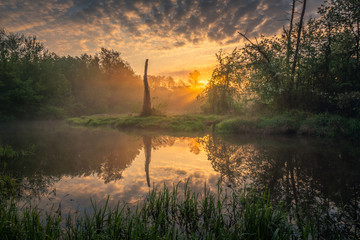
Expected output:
(38, 84)
(312, 67)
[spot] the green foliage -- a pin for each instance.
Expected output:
(279, 124)
(348, 103)
(224, 85)
(236, 126)
(284, 123)
(318, 125)
(330, 126)
(8, 184)
(35, 83)
(326, 78)
(7, 152)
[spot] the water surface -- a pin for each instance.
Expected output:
(71, 165)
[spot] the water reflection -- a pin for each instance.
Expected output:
(60, 151)
(147, 149)
(70, 165)
(305, 173)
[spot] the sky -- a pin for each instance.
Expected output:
(177, 36)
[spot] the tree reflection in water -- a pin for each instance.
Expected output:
(59, 151)
(147, 149)
(152, 142)
(319, 176)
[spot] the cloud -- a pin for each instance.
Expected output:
(181, 20)
(142, 27)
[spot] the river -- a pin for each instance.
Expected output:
(77, 166)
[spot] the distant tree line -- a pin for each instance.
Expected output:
(312, 67)
(36, 83)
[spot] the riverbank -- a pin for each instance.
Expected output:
(181, 123)
(316, 125)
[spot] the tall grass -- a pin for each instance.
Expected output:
(164, 214)
(167, 213)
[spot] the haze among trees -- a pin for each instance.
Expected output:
(312, 66)
(36, 83)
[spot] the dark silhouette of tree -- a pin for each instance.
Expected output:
(304, 174)
(297, 45)
(146, 111)
(36, 83)
(194, 78)
(147, 149)
(223, 87)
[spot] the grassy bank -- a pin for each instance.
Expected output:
(185, 123)
(319, 125)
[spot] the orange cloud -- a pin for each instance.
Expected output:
(174, 35)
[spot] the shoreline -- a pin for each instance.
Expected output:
(314, 125)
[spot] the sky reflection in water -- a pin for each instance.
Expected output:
(168, 165)
(73, 165)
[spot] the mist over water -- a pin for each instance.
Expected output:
(71, 165)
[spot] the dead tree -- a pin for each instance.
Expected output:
(146, 111)
(147, 149)
(298, 43)
(289, 42)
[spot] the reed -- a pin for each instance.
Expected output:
(165, 213)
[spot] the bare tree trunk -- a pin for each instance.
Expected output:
(289, 38)
(147, 149)
(298, 43)
(146, 111)
(357, 40)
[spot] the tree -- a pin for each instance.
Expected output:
(110, 61)
(222, 89)
(146, 111)
(194, 78)
(36, 83)
(312, 66)
(297, 46)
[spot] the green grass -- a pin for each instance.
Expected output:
(8, 184)
(7, 152)
(318, 125)
(172, 214)
(164, 214)
(181, 123)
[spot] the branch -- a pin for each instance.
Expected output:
(257, 47)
